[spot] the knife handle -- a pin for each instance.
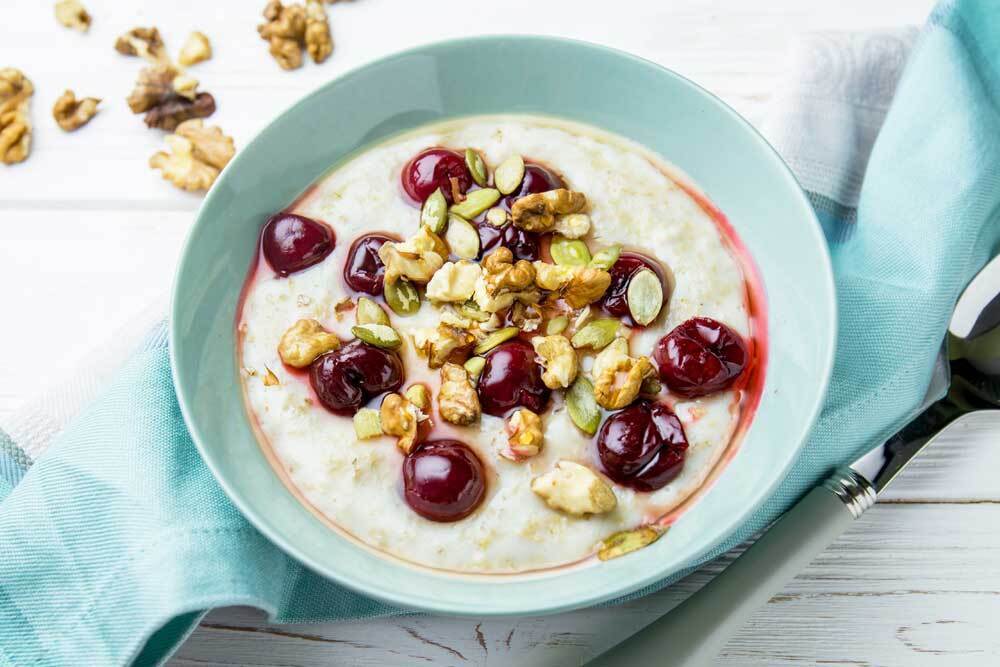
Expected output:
(695, 632)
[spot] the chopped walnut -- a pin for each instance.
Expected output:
(196, 49)
(574, 489)
(457, 398)
(504, 281)
(573, 226)
(72, 14)
(524, 435)
(417, 258)
(419, 395)
(153, 87)
(454, 282)
(618, 378)
(71, 113)
(559, 360)
(537, 212)
(442, 344)
(186, 86)
(577, 285)
(304, 341)
(168, 97)
(319, 44)
(197, 155)
(400, 418)
(526, 317)
(169, 115)
(144, 42)
(15, 128)
(285, 31)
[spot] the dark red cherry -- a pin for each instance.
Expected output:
(642, 446)
(615, 301)
(522, 244)
(443, 480)
(536, 179)
(294, 242)
(432, 169)
(363, 270)
(700, 356)
(347, 378)
(512, 378)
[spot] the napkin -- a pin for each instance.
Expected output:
(115, 539)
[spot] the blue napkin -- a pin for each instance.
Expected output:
(116, 541)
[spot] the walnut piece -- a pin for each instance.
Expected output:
(574, 489)
(458, 402)
(537, 212)
(169, 115)
(143, 42)
(618, 377)
(577, 285)
(454, 282)
(196, 49)
(197, 155)
(319, 44)
(443, 343)
(72, 14)
(524, 435)
(559, 360)
(572, 226)
(503, 281)
(285, 31)
(71, 113)
(168, 97)
(417, 258)
(304, 341)
(186, 86)
(15, 127)
(400, 418)
(153, 87)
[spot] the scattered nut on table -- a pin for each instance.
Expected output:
(73, 15)
(318, 41)
(143, 42)
(196, 49)
(197, 154)
(71, 113)
(292, 28)
(168, 97)
(15, 126)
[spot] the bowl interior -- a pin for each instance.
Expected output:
(577, 81)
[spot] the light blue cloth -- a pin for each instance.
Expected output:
(117, 539)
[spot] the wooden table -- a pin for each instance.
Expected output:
(89, 234)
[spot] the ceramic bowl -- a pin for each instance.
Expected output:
(640, 100)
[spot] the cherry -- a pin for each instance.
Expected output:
(522, 244)
(364, 270)
(443, 480)
(432, 169)
(700, 356)
(615, 301)
(347, 378)
(294, 242)
(512, 378)
(642, 446)
(536, 179)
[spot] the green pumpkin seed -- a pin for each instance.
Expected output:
(471, 311)
(644, 296)
(434, 214)
(556, 325)
(474, 366)
(367, 424)
(370, 312)
(378, 335)
(582, 406)
(419, 396)
(476, 202)
(569, 252)
(495, 338)
(474, 161)
(651, 386)
(402, 297)
(606, 257)
(596, 334)
(496, 216)
(509, 174)
(462, 238)
(627, 541)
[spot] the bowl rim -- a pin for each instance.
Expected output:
(494, 607)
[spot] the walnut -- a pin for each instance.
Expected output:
(524, 435)
(285, 31)
(454, 282)
(175, 111)
(559, 360)
(537, 212)
(72, 15)
(154, 86)
(304, 341)
(400, 418)
(573, 226)
(457, 398)
(15, 128)
(416, 259)
(144, 42)
(71, 113)
(574, 489)
(443, 343)
(577, 285)
(196, 49)
(504, 281)
(168, 97)
(319, 44)
(186, 86)
(618, 377)
(197, 155)
(526, 317)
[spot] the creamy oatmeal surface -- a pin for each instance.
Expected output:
(357, 484)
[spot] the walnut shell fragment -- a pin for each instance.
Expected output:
(73, 15)
(15, 127)
(71, 113)
(197, 154)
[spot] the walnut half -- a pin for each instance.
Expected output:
(401, 418)
(15, 127)
(304, 341)
(537, 212)
(143, 42)
(73, 15)
(71, 113)
(618, 377)
(168, 98)
(197, 155)
(503, 281)
(457, 398)
(579, 286)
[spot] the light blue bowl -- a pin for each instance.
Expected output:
(490, 75)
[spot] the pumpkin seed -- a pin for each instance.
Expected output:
(470, 310)
(651, 386)
(378, 335)
(402, 297)
(627, 541)
(596, 334)
(370, 312)
(644, 296)
(367, 424)
(582, 406)
(462, 238)
(434, 214)
(419, 396)
(556, 325)
(569, 252)
(496, 216)
(474, 366)
(474, 161)
(509, 174)
(606, 257)
(495, 338)
(476, 202)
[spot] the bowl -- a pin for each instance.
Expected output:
(626, 95)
